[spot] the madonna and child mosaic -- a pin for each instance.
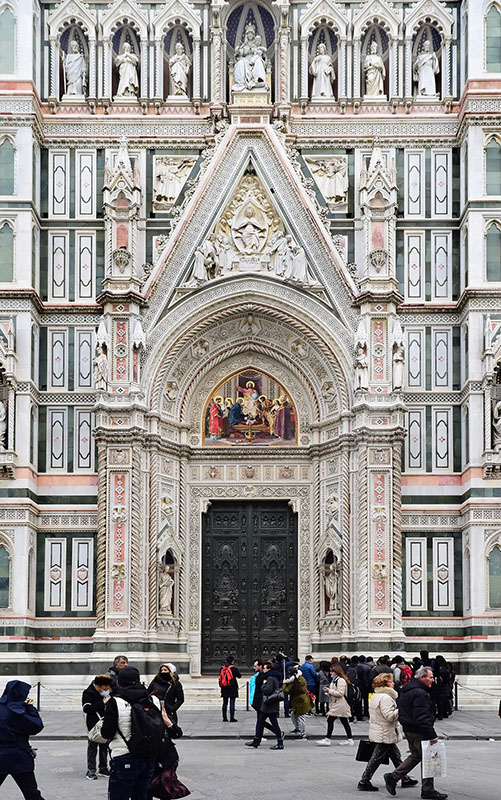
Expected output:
(250, 408)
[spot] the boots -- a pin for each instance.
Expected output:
(279, 745)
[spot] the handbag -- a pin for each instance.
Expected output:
(365, 751)
(95, 735)
(278, 694)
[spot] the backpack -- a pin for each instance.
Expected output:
(353, 695)
(407, 674)
(148, 730)
(225, 676)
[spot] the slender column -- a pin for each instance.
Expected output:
(54, 63)
(341, 78)
(11, 418)
(144, 68)
(446, 69)
(216, 65)
(304, 67)
(487, 418)
(408, 68)
(92, 68)
(357, 89)
(393, 90)
(159, 91)
(196, 90)
(107, 68)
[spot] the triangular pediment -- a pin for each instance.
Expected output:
(251, 198)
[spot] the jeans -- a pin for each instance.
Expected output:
(265, 723)
(225, 708)
(130, 778)
(299, 722)
(27, 783)
(92, 753)
(344, 722)
(414, 740)
(376, 759)
(274, 726)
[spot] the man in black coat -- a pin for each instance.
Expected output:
(270, 706)
(415, 714)
(93, 707)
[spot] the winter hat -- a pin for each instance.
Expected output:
(128, 676)
(170, 666)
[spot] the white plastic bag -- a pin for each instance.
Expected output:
(433, 762)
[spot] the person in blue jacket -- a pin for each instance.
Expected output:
(309, 673)
(19, 720)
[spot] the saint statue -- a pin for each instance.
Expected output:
(179, 65)
(331, 581)
(298, 266)
(425, 69)
(75, 71)
(375, 73)
(332, 178)
(128, 85)
(170, 175)
(205, 264)
(165, 590)
(496, 423)
(323, 74)
(250, 66)
(361, 366)
(100, 369)
(398, 364)
(3, 424)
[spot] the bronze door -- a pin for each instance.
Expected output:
(249, 582)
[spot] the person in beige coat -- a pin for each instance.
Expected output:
(339, 708)
(384, 730)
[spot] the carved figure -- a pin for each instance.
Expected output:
(298, 266)
(249, 228)
(323, 74)
(425, 69)
(361, 366)
(205, 262)
(225, 254)
(331, 176)
(165, 590)
(331, 584)
(398, 364)
(496, 423)
(171, 391)
(375, 73)
(170, 175)
(3, 424)
(100, 369)
(250, 69)
(75, 71)
(179, 65)
(329, 392)
(128, 85)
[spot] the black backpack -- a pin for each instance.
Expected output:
(148, 730)
(353, 695)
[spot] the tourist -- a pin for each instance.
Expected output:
(301, 703)
(270, 706)
(384, 730)
(19, 720)
(93, 698)
(228, 675)
(165, 784)
(356, 703)
(324, 678)
(338, 705)
(417, 719)
(119, 662)
(168, 688)
(309, 673)
(364, 681)
(442, 689)
(130, 775)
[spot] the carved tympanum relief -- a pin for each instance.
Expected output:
(169, 176)
(331, 175)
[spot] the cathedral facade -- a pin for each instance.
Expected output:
(250, 332)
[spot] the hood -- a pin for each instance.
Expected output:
(133, 694)
(14, 696)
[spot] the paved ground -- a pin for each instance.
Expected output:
(226, 770)
(207, 724)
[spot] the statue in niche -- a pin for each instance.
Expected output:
(3, 424)
(331, 585)
(361, 358)
(205, 265)
(496, 423)
(169, 178)
(323, 74)
(398, 364)
(128, 85)
(179, 67)
(375, 73)
(165, 589)
(100, 369)
(75, 71)
(331, 176)
(250, 66)
(425, 69)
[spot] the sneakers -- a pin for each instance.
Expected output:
(91, 775)
(433, 795)
(390, 783)
(104, 773)
(349, 742)
(233, 720)
(366, 786)
(279, 746)
(324, 743)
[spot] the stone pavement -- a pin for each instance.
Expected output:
(207, 724)
(226, 770)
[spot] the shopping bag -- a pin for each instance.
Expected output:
(433, 762)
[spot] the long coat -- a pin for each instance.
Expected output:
(338, 705)
(383, 716)
(271, 683)
(92, 706)
(298, 692)
(18, 721)
(232, 689)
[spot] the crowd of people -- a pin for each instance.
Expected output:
(400, 698)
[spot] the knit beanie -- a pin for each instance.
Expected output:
(128, 676)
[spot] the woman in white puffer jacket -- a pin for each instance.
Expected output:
(384, 730)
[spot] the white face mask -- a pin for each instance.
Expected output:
(105, 693)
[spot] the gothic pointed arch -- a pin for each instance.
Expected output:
(125, 12)
(429, 12)
(381, 13)
(323, 12)
(70, 13)
(178, 12)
